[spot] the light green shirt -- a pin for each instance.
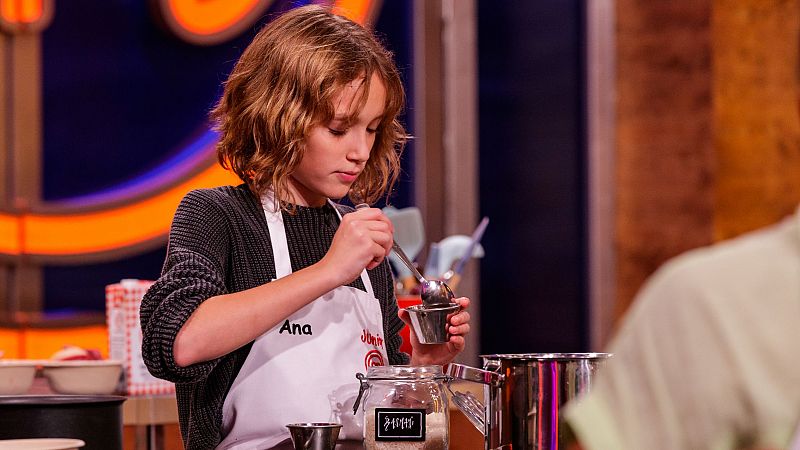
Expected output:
(708, 356)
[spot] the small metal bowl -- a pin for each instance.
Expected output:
(314, 435)
(430, 322)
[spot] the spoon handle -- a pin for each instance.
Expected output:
(410, 264)
(403, 257)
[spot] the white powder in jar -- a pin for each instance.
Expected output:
(435, 435)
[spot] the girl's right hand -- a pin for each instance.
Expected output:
(363, 240)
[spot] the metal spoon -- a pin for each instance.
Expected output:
(432, 292)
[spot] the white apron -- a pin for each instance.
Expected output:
(303, 370)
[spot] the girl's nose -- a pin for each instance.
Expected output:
(361, 146)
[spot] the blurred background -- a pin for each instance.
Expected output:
(600, 137)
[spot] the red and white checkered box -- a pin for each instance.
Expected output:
(125, 338)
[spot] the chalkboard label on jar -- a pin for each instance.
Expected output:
(399, 424)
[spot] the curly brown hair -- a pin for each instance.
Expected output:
(284, 84)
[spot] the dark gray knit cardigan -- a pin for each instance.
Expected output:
(219, 243)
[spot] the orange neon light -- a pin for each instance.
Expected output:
(9, 235)
(356, 10)
(124, 226)
(98, 231)
(21, 11)
(205, 17)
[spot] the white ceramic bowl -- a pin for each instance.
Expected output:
(16, 375)
(41, 444)
(83, 377)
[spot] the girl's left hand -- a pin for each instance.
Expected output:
(440, 354)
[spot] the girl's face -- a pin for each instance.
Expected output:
(336, 152)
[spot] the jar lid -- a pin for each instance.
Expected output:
(397, 373)
(404, 372)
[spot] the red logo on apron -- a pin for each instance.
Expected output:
(374, 358)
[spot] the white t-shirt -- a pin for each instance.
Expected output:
(708, 356)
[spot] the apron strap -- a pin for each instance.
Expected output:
(277, 234)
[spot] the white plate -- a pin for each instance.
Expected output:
(41, 444)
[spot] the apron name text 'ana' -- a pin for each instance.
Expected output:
(296, 328)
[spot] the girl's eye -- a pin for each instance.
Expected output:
(337, 132)
(372, 130)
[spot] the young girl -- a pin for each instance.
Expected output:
(272, 297)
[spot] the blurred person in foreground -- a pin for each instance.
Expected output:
(707, 356)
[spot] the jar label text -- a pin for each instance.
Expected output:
(399, 424)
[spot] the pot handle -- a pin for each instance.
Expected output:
(468, 373)
(473, 408)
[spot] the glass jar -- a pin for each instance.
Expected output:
(405, 407)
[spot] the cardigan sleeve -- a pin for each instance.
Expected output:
(193, 272)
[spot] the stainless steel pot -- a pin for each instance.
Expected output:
(522, 403)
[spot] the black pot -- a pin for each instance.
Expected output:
(95, 419)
